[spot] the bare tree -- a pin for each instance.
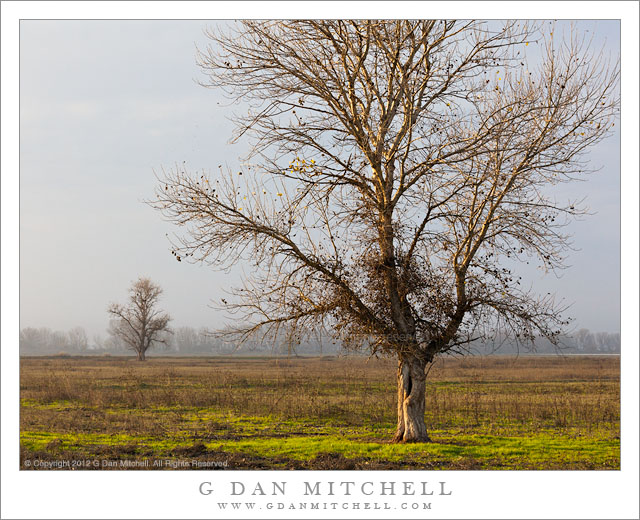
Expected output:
(78, 340)
(98, 342)
(186, 339)
(399, 171)
(32, 340)
(139, 324)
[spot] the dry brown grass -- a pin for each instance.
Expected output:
(322, 413)
(494, 391)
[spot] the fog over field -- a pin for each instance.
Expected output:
(105, 103)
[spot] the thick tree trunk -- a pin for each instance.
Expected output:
(411, 401)
(141, 356)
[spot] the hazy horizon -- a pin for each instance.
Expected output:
(105, 103)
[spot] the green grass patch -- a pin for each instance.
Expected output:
(52, 441)
(316, 414)
(544, 450)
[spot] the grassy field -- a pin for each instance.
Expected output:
(316, 413)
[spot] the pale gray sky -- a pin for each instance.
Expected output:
(104, 103)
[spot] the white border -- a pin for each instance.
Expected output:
(175, 494)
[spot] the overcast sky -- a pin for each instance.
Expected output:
(105, 103)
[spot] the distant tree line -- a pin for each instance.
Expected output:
(200, 341)
(189, 340)
(604, 342)
(582, 341)
(46, 341)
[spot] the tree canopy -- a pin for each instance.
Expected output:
(140, 324)
(399, 171)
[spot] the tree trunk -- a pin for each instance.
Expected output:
(141, 356)
(411, 401)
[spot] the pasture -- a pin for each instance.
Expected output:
(316, 413)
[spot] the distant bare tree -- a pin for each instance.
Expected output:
(60, 341)
(581, 338)
(31, 340)
(399, 171)
(607, 342)
(114, 343)
(614, 342)
(139, 324)
(98, 342)
(186, 339)
(78, 340)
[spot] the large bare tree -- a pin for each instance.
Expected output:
(139, 324)
(399, 171)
